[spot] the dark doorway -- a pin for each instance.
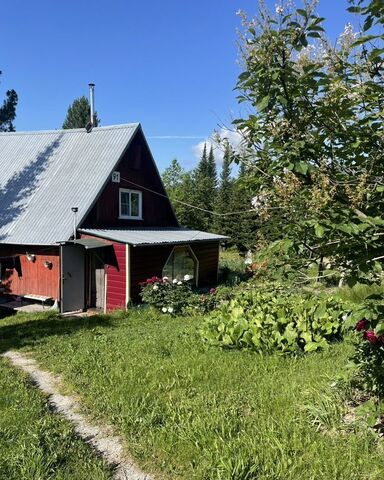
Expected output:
(96, 281)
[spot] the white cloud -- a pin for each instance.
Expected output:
(233, 137)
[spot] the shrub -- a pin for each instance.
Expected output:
(168, 296)
(176, 297)
(269, 318)
(369, 353)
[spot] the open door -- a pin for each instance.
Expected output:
(72, 277)
(96, 280)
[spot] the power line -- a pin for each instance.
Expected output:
(185, 203)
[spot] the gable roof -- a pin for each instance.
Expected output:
(44, 174)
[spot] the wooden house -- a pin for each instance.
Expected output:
(84, 218)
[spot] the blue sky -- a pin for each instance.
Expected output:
(169, 64)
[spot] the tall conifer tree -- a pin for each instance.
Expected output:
(8, 111)
(78, 114)
(224, 199)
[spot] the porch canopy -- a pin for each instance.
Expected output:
(91, 243)
(141, 237)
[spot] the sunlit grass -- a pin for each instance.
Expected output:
(193, 412)
(36, 444)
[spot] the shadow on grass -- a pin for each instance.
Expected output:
(27, 330)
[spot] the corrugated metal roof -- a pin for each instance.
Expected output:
(153, 236)
(44, 174)
(91, 243)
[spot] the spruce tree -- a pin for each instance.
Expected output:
(224, 202)
(78, 114)
(8, 111)
(204, 193)
(243, 235)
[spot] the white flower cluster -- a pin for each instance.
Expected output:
(259, 201)
(279, 9)
(347, 37)
(165, 310)
(306, 54)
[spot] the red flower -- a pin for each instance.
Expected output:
(212, 291)
(370, 336)
(361, 325)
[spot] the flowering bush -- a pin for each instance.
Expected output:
(369, 353)
(269, 318)
(169, 296)
(176, 296)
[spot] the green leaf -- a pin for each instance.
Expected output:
(301, 167)
(263, 103)
(302, 12)
(354, 9)
(319, 231)
(376, 53)
(311, 347)
(368, 23)
(362, 40)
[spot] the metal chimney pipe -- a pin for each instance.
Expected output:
(92, 103)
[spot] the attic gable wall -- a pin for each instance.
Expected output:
(137, 166)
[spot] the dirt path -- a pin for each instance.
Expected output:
(100, 437)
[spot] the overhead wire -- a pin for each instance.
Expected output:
(185, 203)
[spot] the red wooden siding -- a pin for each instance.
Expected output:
(137, 166)
(149, 261)
(36, 278)
(208, 257)
(116, 279)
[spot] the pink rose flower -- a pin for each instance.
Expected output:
(370, 336)
(361, 325)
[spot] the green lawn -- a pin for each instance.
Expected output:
(36, 444)
(192, 412)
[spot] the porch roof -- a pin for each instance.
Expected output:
(153, 235)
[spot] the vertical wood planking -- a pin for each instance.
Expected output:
(116, 282)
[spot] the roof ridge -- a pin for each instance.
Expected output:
(71, 130)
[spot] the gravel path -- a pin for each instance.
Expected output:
(100, 437)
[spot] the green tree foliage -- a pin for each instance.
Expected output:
(8, 111)
(173, 179)
(204, 193)
(225, 196)
(180, 186)
(230, 195)
(78, 114)
(315, 136)
(244, 225)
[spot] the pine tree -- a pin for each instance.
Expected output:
(8, 112)
(78, 114)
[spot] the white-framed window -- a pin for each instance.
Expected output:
(181, 262)
(130, 204)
